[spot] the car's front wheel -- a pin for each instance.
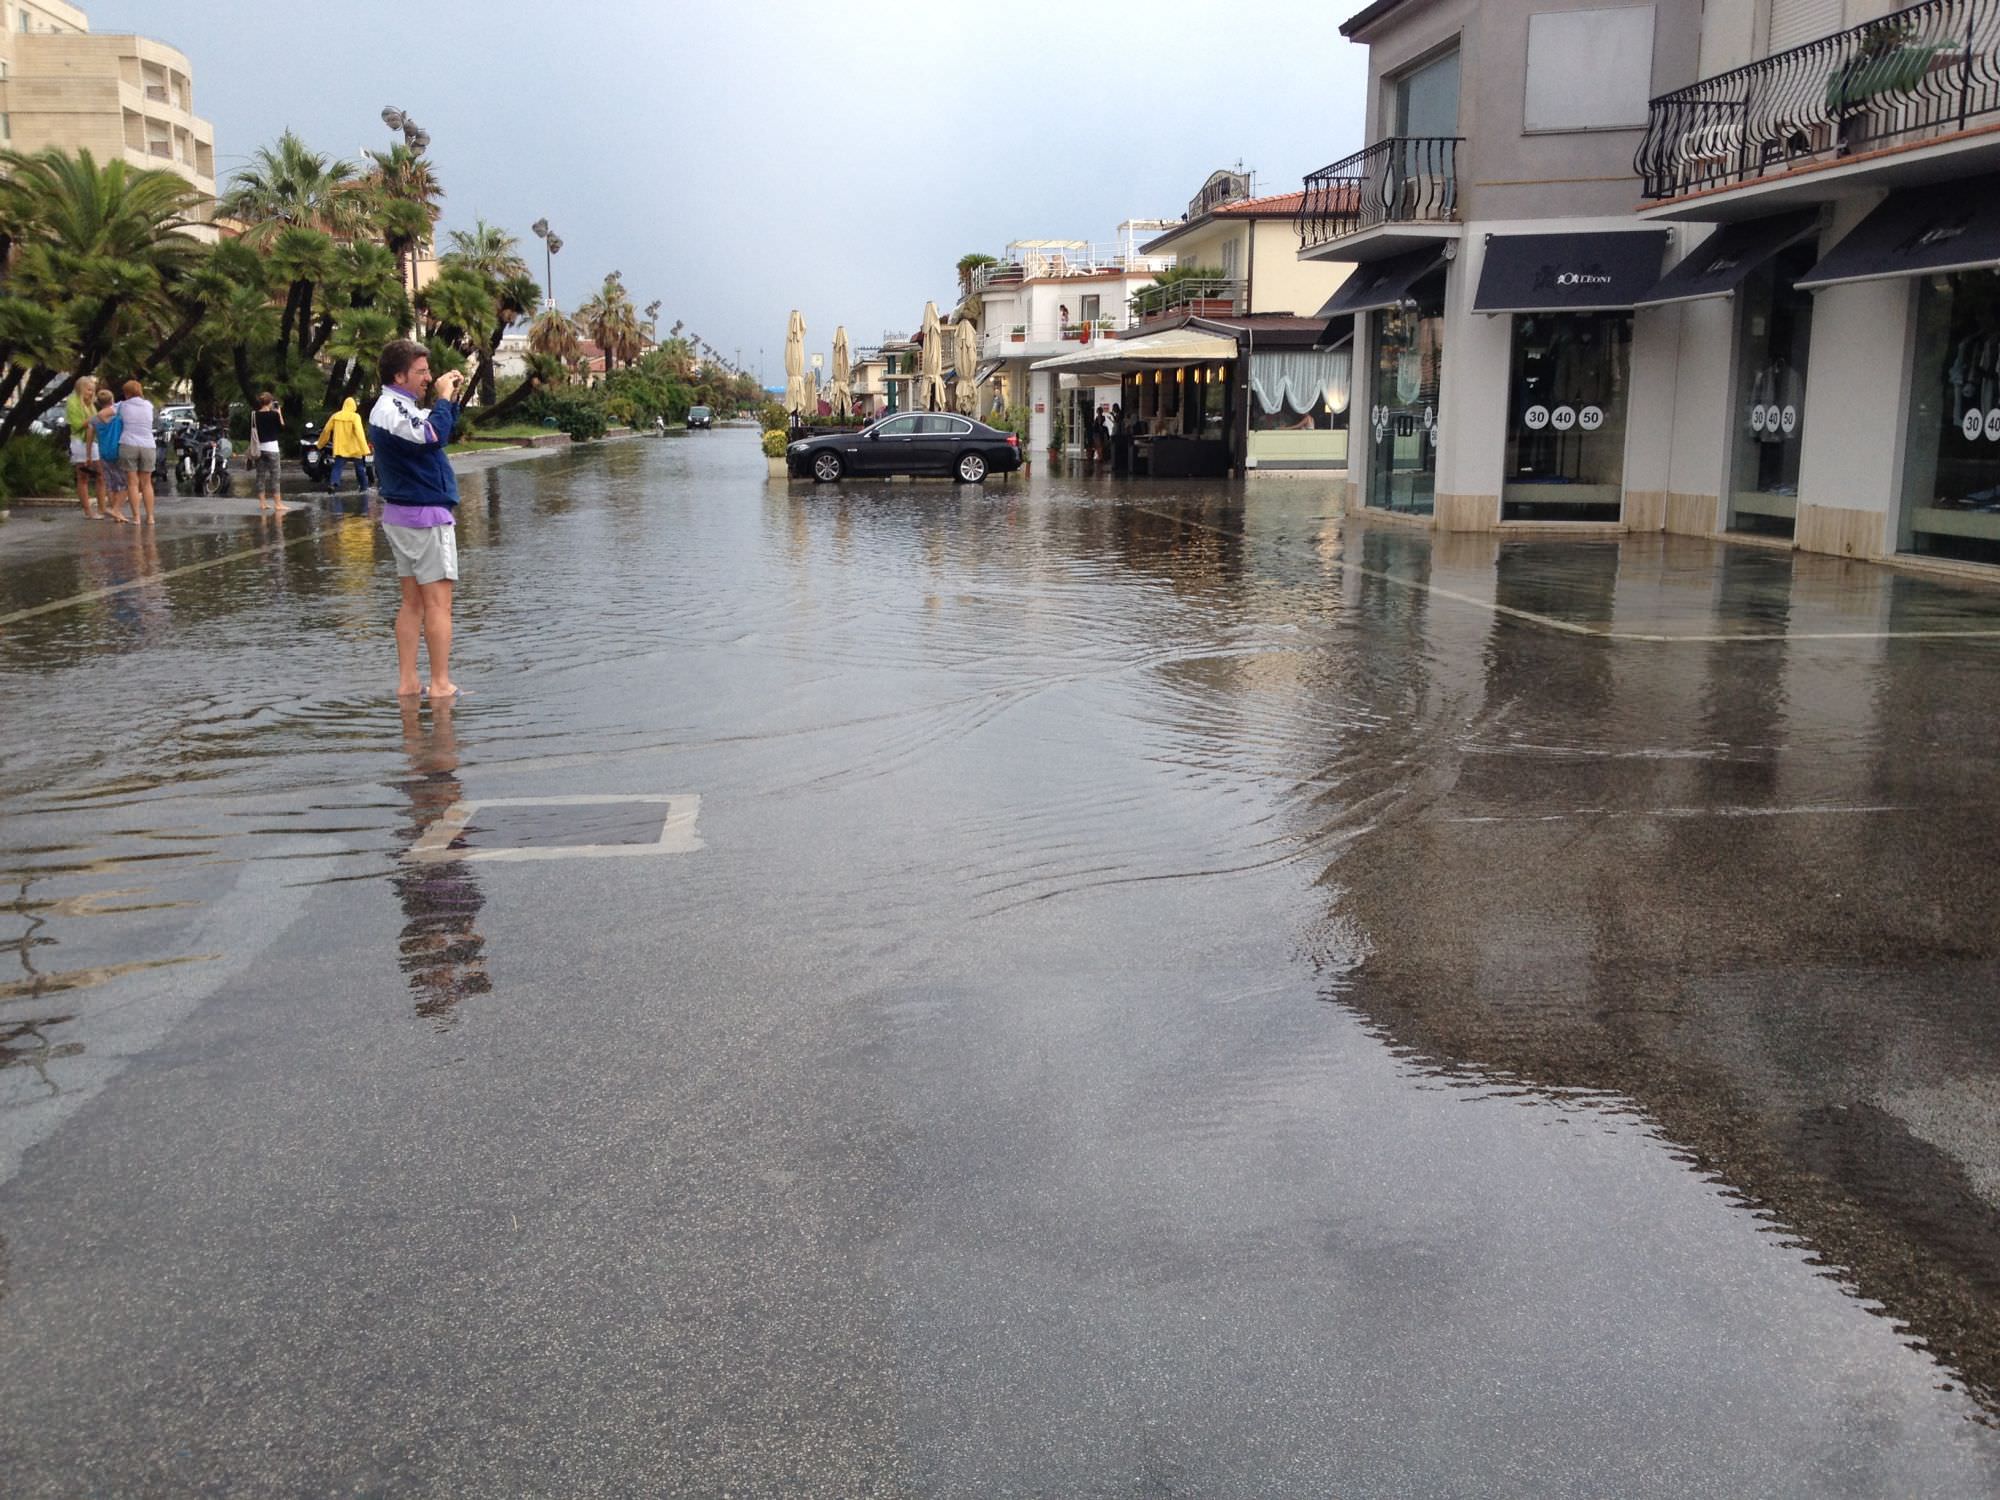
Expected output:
(826, 467)
(972, 468)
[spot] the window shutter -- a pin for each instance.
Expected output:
(1796, 22)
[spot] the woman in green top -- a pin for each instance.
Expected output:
(80, 411)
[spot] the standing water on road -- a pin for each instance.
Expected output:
(1056, 987)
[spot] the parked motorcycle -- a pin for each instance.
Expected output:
(201, 459)
(318, 461)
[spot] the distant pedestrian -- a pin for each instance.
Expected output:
(347, 435)
(112, 489)
(80, 413)
(136, 450)
(267, 423)
(420, 496)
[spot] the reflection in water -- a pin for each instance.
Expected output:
(441, 952)
(1747, 889)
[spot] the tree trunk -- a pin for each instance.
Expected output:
(33, 399)
(243, 372)
(336, 377)
(487, 415)
(285, 323)
(305, 319)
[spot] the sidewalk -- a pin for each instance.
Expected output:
(49, 526)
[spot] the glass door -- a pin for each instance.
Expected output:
(1408, 361)
(1767, 425)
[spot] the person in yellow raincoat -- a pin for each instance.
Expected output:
(347, 434)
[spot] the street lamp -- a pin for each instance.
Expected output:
(551, 243)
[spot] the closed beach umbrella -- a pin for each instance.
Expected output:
(795, 364)
(812, 393)
(843, 374)
(966, 357)
(931, 397)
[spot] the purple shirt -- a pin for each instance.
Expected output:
(417, 516)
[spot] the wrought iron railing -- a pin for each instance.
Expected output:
(1908, 78)
(1404, 179)
(1211, 296)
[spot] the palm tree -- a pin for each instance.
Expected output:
(404, 226)
(406, 190)
(610, 319)
(554, 335)
(493, 253)
(288, 183)
(461, 306)
(968, 267)
(101, 250)
(515, 297)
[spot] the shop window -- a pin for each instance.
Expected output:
(1300, 390)
(1951, 488)
(1566, 417)
(1406, 352)
(1767, 423)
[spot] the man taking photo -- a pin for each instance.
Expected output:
(420, 495)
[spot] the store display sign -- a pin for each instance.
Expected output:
(1978, 424)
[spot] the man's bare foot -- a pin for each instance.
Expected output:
(410, 689)
(442, 690)
(278, 507)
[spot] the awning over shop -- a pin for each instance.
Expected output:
(1918, 232)
(1720, 264)
(1598, 271)
(1381, 283)
(1152, 351)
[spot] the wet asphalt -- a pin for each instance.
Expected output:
(1163, 992)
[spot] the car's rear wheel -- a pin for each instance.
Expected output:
(826, 467)
(972, 468)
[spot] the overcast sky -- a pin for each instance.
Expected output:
(738, 159)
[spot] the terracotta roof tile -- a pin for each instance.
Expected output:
(1272, 203)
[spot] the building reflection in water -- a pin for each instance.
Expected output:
(440, 948)
(1747, 887)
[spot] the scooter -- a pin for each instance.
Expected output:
(318, 461)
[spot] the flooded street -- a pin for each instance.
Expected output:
(1055, 988)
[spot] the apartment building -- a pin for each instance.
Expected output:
(1045, 297)
(61, 85)
(1721, 269)
(1296, 396)
(1498, 265)
(1839, 351)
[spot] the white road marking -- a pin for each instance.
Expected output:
(677, 831)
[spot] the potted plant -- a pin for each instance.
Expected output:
(1018, 334)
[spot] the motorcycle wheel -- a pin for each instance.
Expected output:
(214, 480)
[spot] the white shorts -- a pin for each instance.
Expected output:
(82, 454)
(425, 553)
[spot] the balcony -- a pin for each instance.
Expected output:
(1202, 296)
(1399, 191)
(1909, 80)
(1046, 258)
(1046, 336)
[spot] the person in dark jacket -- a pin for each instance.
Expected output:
(419, 498)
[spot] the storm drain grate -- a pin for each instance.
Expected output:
(581, 827)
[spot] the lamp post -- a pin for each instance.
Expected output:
(551, 243)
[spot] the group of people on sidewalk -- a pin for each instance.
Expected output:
(111, 451)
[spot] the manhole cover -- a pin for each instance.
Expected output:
(582, 827)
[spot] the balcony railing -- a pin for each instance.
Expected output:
(1900, 81)
(1205, 296)
(1001, 340)
(1077, 259)
(1405, 179)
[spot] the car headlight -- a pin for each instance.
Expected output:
(796, 448)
